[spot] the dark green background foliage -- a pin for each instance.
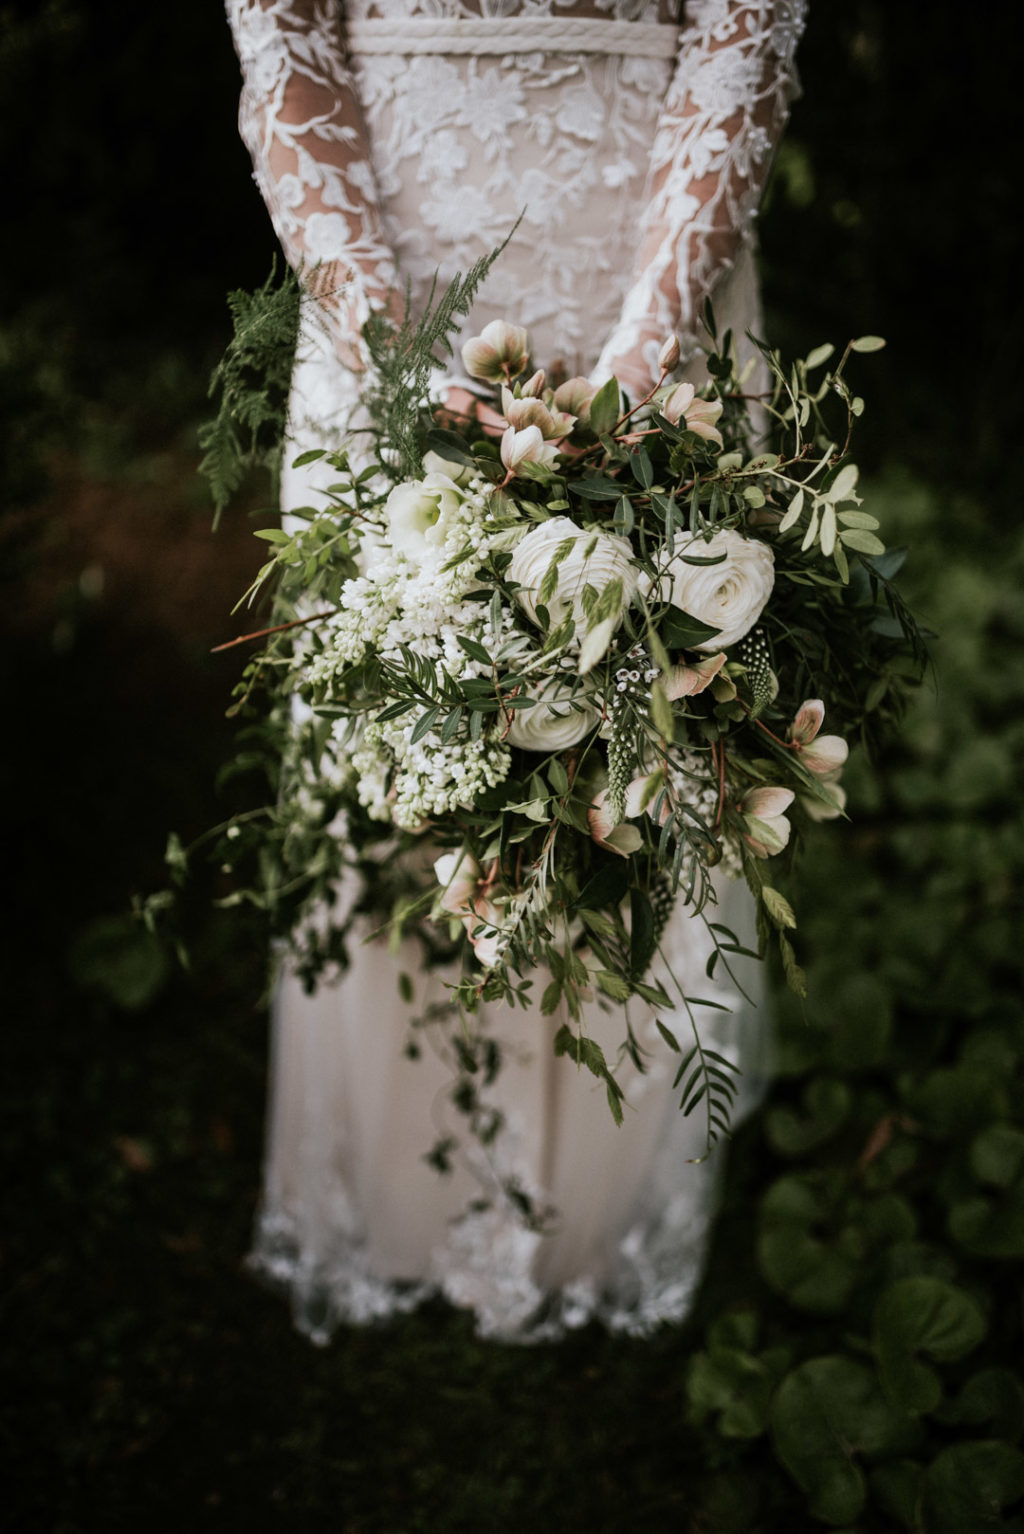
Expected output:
(855, 1358)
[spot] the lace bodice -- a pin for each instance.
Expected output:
(302, 118)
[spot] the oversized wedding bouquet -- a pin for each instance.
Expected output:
(552, 662)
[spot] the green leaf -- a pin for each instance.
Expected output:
(424, 724)
(967, 1487)
(819, 355)
(604, 408)
(595, 645)
(862, 541)
(612, 985)
(121, 959)
(474, 649)
(844, 484)
(867, 344)
(679, 630)
(778, 907)
(826, 1104)
(606, 889)
(921, 1315)
(642, 934)
(825, 1414)
(558, 776)
(661, 710)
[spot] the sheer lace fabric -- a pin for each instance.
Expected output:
(638, 179)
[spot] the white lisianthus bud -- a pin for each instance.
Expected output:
(595, 559)
(483, 927)
(552, 725)
(668, 357)
(499, 351)
(458, 874)
(533, 386)
(730, 595)
(682, 407)
(526, 446)
(575, 396)
(419, 513)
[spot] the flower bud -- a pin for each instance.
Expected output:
(668, 357)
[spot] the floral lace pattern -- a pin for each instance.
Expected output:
(638, 180)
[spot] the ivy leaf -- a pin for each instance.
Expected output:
(825, 1414)
(968, 1485)
(921, 1315)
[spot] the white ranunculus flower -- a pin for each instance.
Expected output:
(595, 559)
(551, 725)
(730, 595)
(419, 512)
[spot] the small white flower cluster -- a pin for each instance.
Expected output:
(408, 600)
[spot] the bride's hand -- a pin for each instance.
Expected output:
(459, 407)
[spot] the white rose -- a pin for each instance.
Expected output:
(551, 726)
(595, 559)
(419, 512)
(730, 595)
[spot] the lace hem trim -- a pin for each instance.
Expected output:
(508, 35)
(507, 1306)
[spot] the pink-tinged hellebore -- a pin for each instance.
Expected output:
(527, 411)
(766, 829)
(687, 681)
(574, 396)
(499, 351)
(683, 408)
(526, 446)
(816, 810)
(821, 754)
(617, 837)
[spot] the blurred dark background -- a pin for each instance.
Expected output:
(149, 1380)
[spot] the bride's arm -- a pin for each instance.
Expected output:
(722, 118)
(301, 122)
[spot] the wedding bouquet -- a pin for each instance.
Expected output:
(548, 662)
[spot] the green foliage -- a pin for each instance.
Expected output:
(251, 383)
(404, 356)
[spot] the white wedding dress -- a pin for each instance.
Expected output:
(407, 136)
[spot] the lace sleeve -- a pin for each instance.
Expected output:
(300, 120)
(722, 118)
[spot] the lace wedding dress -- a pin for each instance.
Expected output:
(394, 140)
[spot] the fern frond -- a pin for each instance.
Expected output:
(251, 383)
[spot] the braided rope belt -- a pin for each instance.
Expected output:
(512, 34)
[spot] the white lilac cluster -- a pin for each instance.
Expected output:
(408, 599)
(407, 784)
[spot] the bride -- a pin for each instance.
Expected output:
(392, 140)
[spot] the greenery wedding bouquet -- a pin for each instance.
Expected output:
(546, 663)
